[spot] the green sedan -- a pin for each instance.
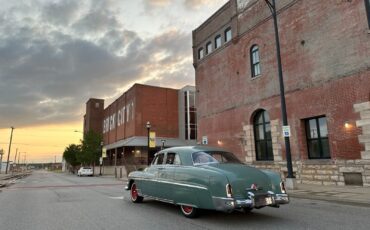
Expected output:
(199, 177)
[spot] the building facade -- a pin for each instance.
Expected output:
(325, 50)
(123, 123)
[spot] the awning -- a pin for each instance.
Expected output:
(139, 141)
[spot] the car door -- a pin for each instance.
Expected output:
(151, 183)
(165, 177)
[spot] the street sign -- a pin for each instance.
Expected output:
(286, 131)
(204, 140)
(101, 160)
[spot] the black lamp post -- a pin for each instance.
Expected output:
(101, 158)
(271, 4)
(163, 142)
(148, 126)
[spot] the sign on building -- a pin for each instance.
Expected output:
(204, 140)
(286, 131)
(152, 139)
(104, 153)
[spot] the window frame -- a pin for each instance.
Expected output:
(367, 8)
(218, 38)
(228, 29)
(319, 138)
(269, 155)
(200, 51)
(208, 48)
(255, 50)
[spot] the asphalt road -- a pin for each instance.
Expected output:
(47, 200)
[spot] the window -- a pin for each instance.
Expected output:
(158, 160)
(173, 159)
(262, 136)
(317, 138)
(367, 6)
(210, 157)
(190, 116)
(209, 48)
(228, 34)
(255, 61)
(200, 53)
(218, 41)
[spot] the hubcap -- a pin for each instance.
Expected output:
(187, 209)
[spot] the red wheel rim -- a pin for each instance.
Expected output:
(133, 192)
(187, 209)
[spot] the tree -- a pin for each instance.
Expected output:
(91, 148)
(71, 154)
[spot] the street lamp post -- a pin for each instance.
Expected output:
(148, 126)
(10, 145)
(101, 158)
(271, 4)
(163, 142)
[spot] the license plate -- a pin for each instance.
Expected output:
(263, 201)
(268, 200)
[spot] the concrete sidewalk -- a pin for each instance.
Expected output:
(353, 195)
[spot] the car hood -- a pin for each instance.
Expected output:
(241, 177)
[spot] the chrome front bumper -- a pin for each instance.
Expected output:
(254, 201)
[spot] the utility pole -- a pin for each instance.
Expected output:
(10, 145)
(15, 159)
(1, 158)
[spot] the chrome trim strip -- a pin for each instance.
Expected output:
(158, 199)
(170, 182)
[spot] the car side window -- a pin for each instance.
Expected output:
(173, 159)
(159, 159)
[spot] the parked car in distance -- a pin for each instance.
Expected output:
(199, 177)
(85, 171)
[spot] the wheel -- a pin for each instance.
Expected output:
(134, 194)
(188, 211)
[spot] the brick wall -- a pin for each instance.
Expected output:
(324, 47)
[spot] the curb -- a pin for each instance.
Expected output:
(330, 199)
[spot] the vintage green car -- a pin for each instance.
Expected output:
(199, 177)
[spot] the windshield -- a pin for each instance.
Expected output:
(211, 157)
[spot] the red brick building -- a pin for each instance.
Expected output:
(325, 49)
(123, 122)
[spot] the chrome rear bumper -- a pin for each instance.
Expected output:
(254, 201)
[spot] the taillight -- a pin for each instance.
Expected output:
(254, 187)
(229, 191)
(282, 187)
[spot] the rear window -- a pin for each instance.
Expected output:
(211, 157)
(86, 168)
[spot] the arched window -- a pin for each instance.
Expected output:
(262, 136)
(228, 34)
(200, 53)
(217, 41)
(255, 61)
(209, 48)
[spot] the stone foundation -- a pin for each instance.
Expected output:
(321, 172)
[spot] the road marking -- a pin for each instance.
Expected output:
(62, 186)
(117, 197)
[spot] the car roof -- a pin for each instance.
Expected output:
(185, 152)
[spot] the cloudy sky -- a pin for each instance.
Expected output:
(55, 54)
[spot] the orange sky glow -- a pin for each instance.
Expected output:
(40, 143)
